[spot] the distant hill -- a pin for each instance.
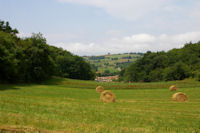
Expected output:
(111, 64)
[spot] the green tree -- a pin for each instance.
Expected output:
(33, 60)
(178, 71)
(70, 66)
(8, 61)
(176, 64)
(5, 27)
(36, 64)
(156, 75)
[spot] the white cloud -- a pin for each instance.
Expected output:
(53, 37)
(82, 48)
(133, 43)
(195, 13)
(172, 8)
(128, 9)
(135, 9)
(139, 38)
(113, 33)
(61, 37)
(24, 35)
(153, 16)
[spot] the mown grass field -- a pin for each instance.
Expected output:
(74, 106)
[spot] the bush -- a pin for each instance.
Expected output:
(178, 71)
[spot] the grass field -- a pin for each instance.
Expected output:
(74, 106)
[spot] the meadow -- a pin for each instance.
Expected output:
(73, 106)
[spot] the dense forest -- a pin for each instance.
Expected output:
(176, 64)
(31, 59)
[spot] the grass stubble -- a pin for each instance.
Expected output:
(74, 108)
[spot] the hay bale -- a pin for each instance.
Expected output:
(99, 89)
(180, 97)
(173, 88)
(107, 96)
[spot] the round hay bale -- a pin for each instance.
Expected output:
(173, 88)
(99, 89)
(107, 96)
(180, 97)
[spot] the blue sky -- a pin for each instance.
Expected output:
(94, 27)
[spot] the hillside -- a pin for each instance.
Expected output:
(111, 64)
(175, 64)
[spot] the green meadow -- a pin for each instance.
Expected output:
(74, 106)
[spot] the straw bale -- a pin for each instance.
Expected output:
(179, 97)
(107, 96)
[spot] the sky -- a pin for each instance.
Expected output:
(97, 27)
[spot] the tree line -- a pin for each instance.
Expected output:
(176, 64)
(31, 59)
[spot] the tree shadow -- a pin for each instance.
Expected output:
(54, 81)
(4, 87)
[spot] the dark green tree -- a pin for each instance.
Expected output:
(178, 71)
(8, 61)
(176, 64)
(5, 27)
(36, 65)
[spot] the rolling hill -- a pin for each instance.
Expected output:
(111, 64)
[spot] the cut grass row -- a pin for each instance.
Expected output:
(188, 83)
(74, 106)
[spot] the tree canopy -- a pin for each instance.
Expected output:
(176, 64)
(31, 59)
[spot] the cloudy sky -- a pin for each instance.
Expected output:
(95, 27)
